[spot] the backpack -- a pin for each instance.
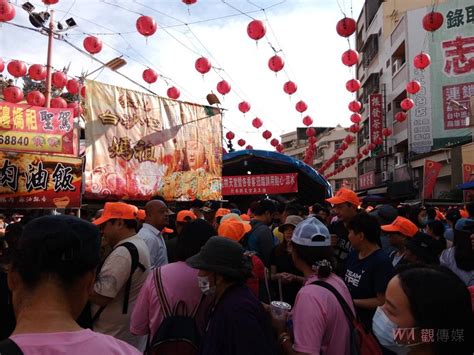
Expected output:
(361, 341)
(86, 320)
(178, 333)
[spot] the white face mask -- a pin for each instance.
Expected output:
(205, 285)
(384, 329)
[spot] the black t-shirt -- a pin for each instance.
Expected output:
(284, 263)
(343, 247)
(367, 277)
(238, 326)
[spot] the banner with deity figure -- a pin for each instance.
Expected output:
(140, 145)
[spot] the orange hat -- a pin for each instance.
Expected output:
(344, 195)
(401, 225)
(141, 215)
(245, 217)
(222, 212)
(117, 210)
(440, 216)
(167, 230)
(464, 213)
(185, 216)
(233, 229)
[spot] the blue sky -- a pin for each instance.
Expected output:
(303, 29)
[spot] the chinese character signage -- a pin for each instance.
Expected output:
(39, 181)
(457, 105)
(259, 184)
(468, 176)
(430, 174)
(367, 180)
(376, 121)
(34, 129)
(139, 145)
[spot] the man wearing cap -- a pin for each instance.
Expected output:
(182, 218)
(398, 231)
(346, 204)
(122, 274)
(237, 323)
(156, 219)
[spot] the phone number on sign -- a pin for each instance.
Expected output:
(13, 140)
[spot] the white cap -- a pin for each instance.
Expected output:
(311, 233)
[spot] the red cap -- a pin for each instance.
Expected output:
(117, 210)
(233, 229)
(401, 225)
(167, 230)
(185, 216)
(222, 212)
(245, 217)
(141, 215)
(344, 195)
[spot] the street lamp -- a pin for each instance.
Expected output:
(38, 20)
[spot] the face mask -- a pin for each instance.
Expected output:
(384, 330)
(205, 285)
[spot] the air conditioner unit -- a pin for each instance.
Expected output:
(386, 176)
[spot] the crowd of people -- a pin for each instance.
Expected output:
(332, 278)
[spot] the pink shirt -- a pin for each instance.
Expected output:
(319, 323)
(72, 343)
(179, 283)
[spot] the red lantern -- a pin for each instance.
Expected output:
(339, 151)
(83, 91)
(73, 86)
(274, 142)
(50, 2)
(92, 44)
(400, 116)
(355, 106)
(413, 87)
(344, 146)
(276, 63)
(189, 2)
(307, 121)
(249, 147)
(371, 146)
(173, 93)
(353, 85)
(432, 21)
(267, 134)
(310, 132)
(280, 148)
(223, 87)
(257, 122)
(202, 65)
(354, 128)
(37, 72)
(349, 139)
(407, 104)
(13, 94)
(150, 76)
(346, 27)
(378, 140)
(2, 65)
(256, 30)
(350, 57)
(356, 118)
(422, 61)
(301, 106)
(59, 79)
(244, 107)
(230, 135)
(77, 109)
(312, 140)
(7, 11)
(359, 156)
(387, 132)
(290, 87)
(17, 68)
(58, 102)
(347, 164)
(146, 25)
(241, 142)
(365, 151)
(35, 98)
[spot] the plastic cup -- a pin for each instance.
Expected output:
(280, 309)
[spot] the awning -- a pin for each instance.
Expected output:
(466, 186)
(377, 191)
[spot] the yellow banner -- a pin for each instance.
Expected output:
(139, 145)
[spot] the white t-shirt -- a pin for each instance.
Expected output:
(447, 259)
(111, 282)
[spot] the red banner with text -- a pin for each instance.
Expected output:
(431, 172)
(468, 176)
(259, 184)
(34, 129)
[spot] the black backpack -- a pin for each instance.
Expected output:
(86, 320)
(178, 333)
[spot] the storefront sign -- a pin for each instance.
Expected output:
(39, 181)
(375, 117)
(259, 184)
(457, 104)
(37, 129)
(430, 174)
(367, 180)
(468, 176)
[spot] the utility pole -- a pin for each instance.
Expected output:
(48, 60)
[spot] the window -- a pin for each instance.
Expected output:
(338, 183)
(337, 144)
(389, 107)
(338, 164)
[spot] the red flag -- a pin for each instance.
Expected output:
(431, 172)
